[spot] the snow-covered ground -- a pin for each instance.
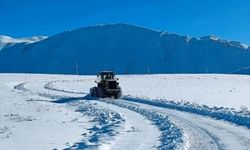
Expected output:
(55, 112)
(231, 91)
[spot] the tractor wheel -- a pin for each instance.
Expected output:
(94, 92)
(118, 95)
(91, 92)
(101, 92)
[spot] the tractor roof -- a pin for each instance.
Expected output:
(106, 72)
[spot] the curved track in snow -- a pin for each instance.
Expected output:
(199, 132)
(204, 132)
(136, 132)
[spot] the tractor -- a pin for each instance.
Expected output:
(107, 86)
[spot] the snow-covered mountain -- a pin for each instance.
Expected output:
(126, 49)
(7, 41)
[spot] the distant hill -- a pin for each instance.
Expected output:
(126, 49)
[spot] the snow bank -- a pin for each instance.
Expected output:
(171, 136)
(241, 117)
(105, 125)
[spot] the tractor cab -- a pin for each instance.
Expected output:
(106, 75)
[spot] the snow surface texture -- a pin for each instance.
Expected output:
(59, 112)
(231, 91)
(171, 135)
(91, 125)
(210, 95)
(126, 49)
(6, 41)
(238, 117)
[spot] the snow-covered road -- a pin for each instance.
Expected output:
(103, 123)
(204, 132)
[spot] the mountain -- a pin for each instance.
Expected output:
(126, 49)
(7, 41)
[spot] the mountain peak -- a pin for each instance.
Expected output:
(9, 41)
(231, 43)
(210, 37)
(120, 26)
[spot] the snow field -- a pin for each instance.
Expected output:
(46, 105)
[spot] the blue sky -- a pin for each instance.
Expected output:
(228, 19)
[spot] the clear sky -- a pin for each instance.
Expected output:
(228, 19)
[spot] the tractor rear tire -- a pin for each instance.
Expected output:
(91, 92)
(94, 92)
(119, 93)
(101, 93)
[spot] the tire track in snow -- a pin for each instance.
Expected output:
(195, 138)
(50, 86)
(198, 138)
(105, 121)
(171, 136)
(202, 132)
(138, 133)
(205, 132)
(241, 118)
(42, 92)
(200, 144)
(141, 135)
(136, 136)
(106, 124)
(215, 139)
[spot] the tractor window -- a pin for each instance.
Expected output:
(108, 76)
